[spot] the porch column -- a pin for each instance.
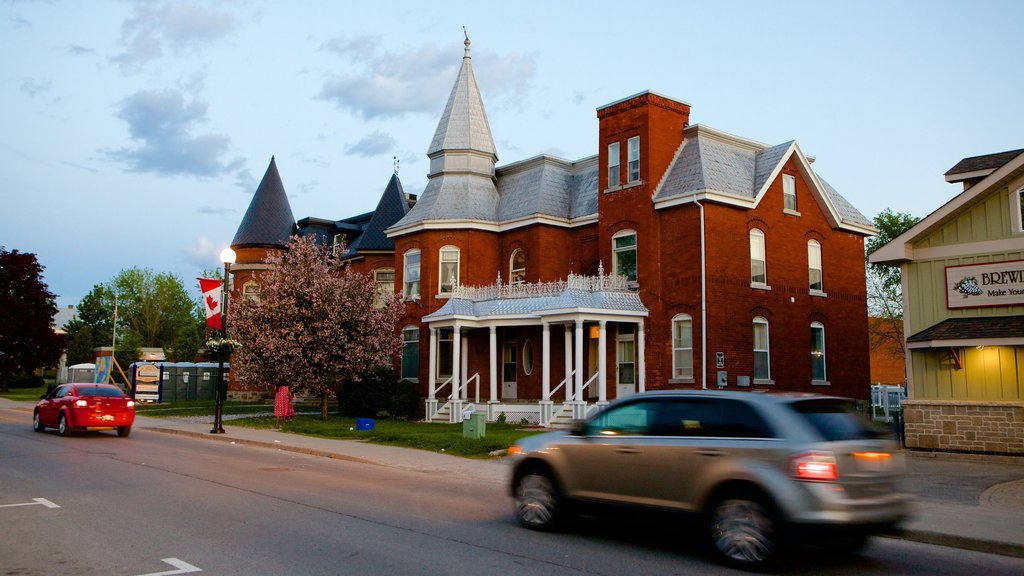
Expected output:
(456, 414)
(602, 364)
(578, 388)
(568, 363)
(432, 374)
(641, 379)
(493, 368)
(464, 377)
(545, 398)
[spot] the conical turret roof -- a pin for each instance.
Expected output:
(391, 208)
(269, 220)
(463, 125)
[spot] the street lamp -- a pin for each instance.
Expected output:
(227, 256)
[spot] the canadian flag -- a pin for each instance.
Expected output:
(212, 294)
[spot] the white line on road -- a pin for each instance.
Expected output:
(35, 501)
(182, 568)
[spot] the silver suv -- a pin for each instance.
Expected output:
(761, 470)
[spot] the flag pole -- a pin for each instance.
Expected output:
(113, 345)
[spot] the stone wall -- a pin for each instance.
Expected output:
(989, 427)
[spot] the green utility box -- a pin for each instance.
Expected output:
(475, 426)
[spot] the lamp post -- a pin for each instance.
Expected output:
(227, 256)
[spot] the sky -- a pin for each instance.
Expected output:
(134, 133)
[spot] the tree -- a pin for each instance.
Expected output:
(27, 308)
(315, 324)
(884, 283)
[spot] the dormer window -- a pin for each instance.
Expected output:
(613, 165)
(336, 245)
(789, 192)
(634, 159)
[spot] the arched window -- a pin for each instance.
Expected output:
(411, 352)
(814, 265)
(762, 358)
(818, 352)
(758, 267)
(624, 254)
(682, 347)
(411, 274)
(517, 267)
(448, 269)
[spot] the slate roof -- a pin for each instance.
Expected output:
(390, 209)
(463, 124)
(983, 162)
(987, 327)
(569, 299)
(268, 221)
(714, 162)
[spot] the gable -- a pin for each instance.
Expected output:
(988, 218)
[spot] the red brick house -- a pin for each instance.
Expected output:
(678, 256)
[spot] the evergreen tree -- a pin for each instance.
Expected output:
(27, 308)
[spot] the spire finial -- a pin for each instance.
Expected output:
(466, 42)
(396, 162)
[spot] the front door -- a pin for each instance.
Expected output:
(593, 363)
(508, 371)
(625, 363)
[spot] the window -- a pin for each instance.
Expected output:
(814, 264)
(709, 418)
(508, 361)
(384, 278)
(445, 350)
(449, 269)
(1020, 208)
(411, 274)
(682, 347)
(624, 254)
(625, 355)
(789, 192)
(762, 360)
(251, 291)
(634, 159)
(338, 244)
(517, 267)
(758, 272)
(613, 164)
(410, 352)
(818, 352)
(528, 357)
(631, 419)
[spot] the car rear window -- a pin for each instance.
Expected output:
(833, 419)
(98, 391)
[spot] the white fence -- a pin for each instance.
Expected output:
(885, 401)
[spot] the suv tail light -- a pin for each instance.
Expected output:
(815, 467)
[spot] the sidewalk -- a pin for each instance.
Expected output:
(959, 507)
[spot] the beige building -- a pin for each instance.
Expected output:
(963, 303)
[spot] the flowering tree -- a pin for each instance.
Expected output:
(315, 324)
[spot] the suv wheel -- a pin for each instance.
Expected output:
(537, 500)
(744, 530)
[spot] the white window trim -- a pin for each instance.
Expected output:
(405, 274)
(635, 249)
(512, 267)
(614, 161)
(1017, 206)
(789, 179)
(810, 266)
(758, 233)
(619, 339)
(681, 379)
(629, 159)
(441, 281)
(767, 350)
(824, 355)
(528, 355)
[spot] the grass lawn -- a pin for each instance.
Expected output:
(445, 438)
(24, 394)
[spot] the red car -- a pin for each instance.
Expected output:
(71, 407)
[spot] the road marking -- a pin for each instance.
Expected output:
(182, 568)
(42, 501)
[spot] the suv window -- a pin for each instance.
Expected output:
(710, 417)
(833, 419)
(630, 419)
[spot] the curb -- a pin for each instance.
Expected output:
(961, 542)
(263, 444)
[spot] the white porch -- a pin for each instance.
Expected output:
(579, 303)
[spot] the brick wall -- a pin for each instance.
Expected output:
(989, 427)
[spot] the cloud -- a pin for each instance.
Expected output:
(418, 80)
(205, 255)
(80, 167)
(214, 211)
(35, 87)
(162, 122)
(79, 50)
(373, 144)
(183, 27)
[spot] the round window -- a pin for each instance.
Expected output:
(528, 357)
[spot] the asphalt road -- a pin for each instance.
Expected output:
(161, 504)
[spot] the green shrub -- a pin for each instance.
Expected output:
(25, 381)
(379, 392)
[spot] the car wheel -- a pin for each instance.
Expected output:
(538, 505)
(37, 424)
(62, 426)
(745, 530)
(124, 431)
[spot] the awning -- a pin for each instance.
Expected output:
(975, 331)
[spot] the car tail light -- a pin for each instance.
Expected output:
(130, 404)
(815, 467)
(81, 403)
(515, 449)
